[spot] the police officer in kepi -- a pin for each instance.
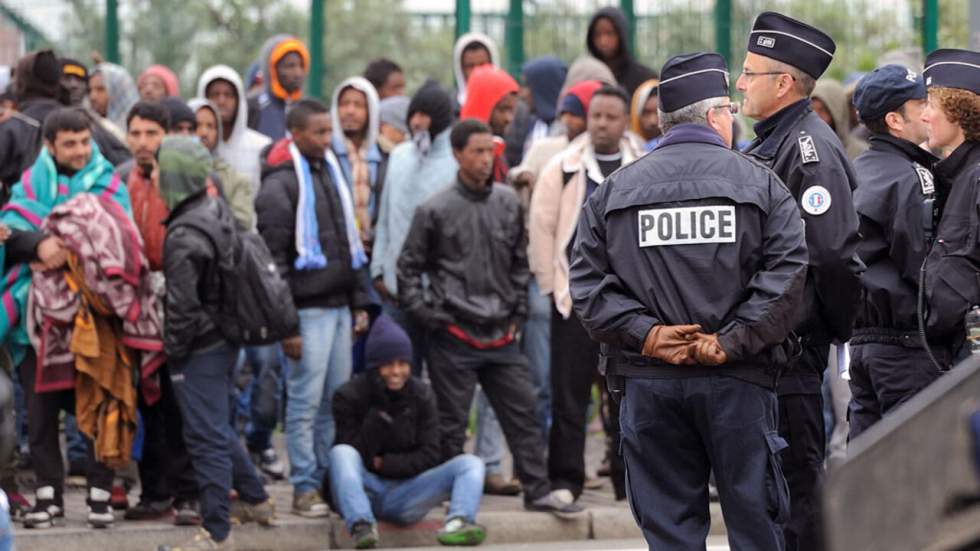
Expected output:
(952, 117)
(784, 59)
(690, 263)
(895, 201)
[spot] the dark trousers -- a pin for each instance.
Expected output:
(614, 436)
(203, 385)
(883, 377)
(675, 432)
(801, 424)
(455, 368)
(43, 432)
(165, 469)
(574, 357)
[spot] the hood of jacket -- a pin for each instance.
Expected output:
(461, 44)
(831, 93)
(122, 92)
(545, 77)
(274, 49)
(487, 86)
(38, 75)
(170, 81)
(362, 85)
(618, 18)
(224, 72)
(198, 103)
(640, 98)
(585, 68)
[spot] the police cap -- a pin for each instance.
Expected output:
(793, 42)
(886, 89)
(690, 78)
(951, 68)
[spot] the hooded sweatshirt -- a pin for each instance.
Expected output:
(243, 147)
(461, 44)
(544, 76)
(267, 112)
(235, 186)
(122, 92)
(487, 86)
(412, 177)
(629, 73)
(831, 93)
(640, 99)
(170, 82)
(585, 68)
(364, 170)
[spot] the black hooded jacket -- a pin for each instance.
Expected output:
(629, 72)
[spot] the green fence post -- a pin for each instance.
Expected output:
(314, 83)
(515, 37)
(462, 17)
(627, 7)
(112, 31)
(723, 29)
(930, 25)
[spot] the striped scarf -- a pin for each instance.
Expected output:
(39, 191)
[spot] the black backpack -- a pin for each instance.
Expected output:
(255, 305)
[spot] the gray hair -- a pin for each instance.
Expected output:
(696, 113)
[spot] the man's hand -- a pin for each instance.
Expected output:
(4, 233)
(293, 347)
(379, 286)
(706, 350)
(522, 179)
(362, 322)
(670, 343)
(51, 254)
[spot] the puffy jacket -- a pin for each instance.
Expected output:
(401, 427)
(190, 268)
(652, 248)
(338, 284)
(473, 247)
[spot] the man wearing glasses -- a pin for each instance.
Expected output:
(690, 265)
(784, 59)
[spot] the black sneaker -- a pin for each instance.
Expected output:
(149, 510)
(560, 503)
(364, 534)
(187, 512)
(269, 463)
(100, 513)
(46, 508)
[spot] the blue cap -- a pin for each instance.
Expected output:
(886, 89)
(793, 42)
(951, 68)
(690, 78)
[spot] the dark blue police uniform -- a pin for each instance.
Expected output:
(809, 158)
(895, 202)
(695, 233)
(952, 278)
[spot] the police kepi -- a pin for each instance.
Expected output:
(784, 59)
(689, 264)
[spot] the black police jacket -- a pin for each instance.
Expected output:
(472, 245)
(953, 267)
(691, 233)
(894, 183)
(809, 158)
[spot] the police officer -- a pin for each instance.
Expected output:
(691, 263)
(894, 201)
(784, 59)
(952, 117)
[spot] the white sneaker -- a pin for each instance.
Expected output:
(100, 514)
(45, 509)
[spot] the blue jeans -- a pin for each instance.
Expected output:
(310, 384)
(262, 395)
(75, 442)
(363, 496)
(203, 387)
(489, 436)
(6, 530)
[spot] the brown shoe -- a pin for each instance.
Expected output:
(496, 485)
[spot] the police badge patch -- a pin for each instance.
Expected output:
(766, 42)
(808, 150)
(816, 200)
(925, 179)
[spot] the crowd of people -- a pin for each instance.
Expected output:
(503, 247)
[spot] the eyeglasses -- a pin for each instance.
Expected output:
(750, 74)
(732, 108)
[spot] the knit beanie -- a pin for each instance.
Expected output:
(386, 343)
(393, 112)
(179, 111)
(433, 100)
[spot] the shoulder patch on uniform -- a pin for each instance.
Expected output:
(686, 225)
(816, 200)
(925, 179)
(808, 150)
